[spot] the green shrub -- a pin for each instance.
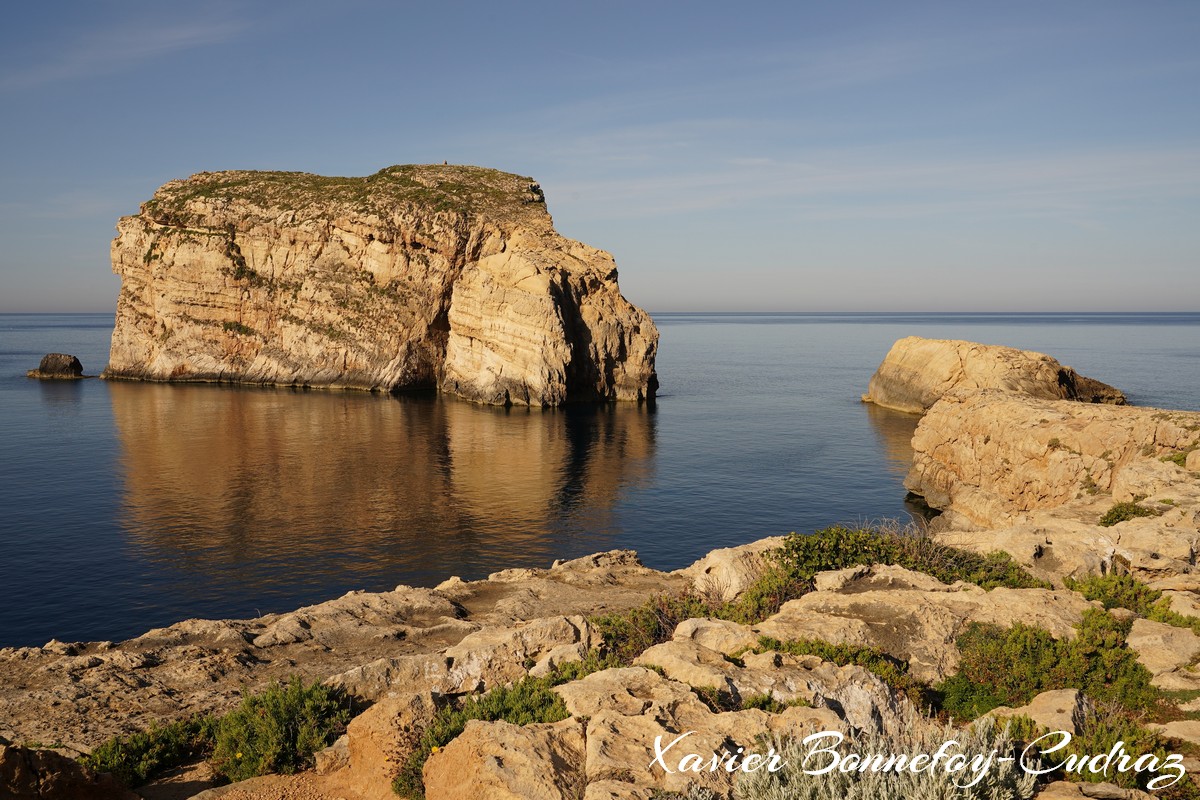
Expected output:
(764, 702)
(1123, 512)
(135, 758)
(278, 730)
(717, 700)
(1117, 591)
(764, 597)
(837, 548)
(1125, 591)
(627, 634)
(1010, 666)
(1102, 728)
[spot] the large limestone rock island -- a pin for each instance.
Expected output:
(415, 277)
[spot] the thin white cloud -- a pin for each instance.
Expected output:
(116, 49)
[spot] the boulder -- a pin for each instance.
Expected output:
(918, 372)
(482, 660)
(378, 741)
(628, 709)
(501, 761)
(726, 572)
(57, 367)
(38, 774)
(1057, 710)
(856, 696)
(1169, 652)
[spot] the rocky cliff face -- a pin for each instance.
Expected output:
(992, 456)
(1035, 477)
(917, 372)
(414, 277)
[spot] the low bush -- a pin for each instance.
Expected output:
(1123, 512)
(1118, 591)
(278, 730)
(1125, 591)
(1010, 666)
(767, 703)
(837, 548)
(134, 759)
(1102, 728)
(789, 574)
(627, 634)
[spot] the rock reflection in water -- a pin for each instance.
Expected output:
(345, 490)
(894, 431)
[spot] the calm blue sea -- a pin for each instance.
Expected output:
(126, 506)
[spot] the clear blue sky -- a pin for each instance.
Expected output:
(817, 156)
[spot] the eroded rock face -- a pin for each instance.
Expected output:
(1035, 477)
(509, 762)
(1056, 710)
(917, 372)
(33, 774)
(415, 277)
(914, 617)
(991, 456)
(462, 636)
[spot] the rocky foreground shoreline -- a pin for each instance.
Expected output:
(759, 643)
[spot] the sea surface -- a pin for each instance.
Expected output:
(126, 506)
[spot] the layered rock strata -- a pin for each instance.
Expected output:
(917, 372)
(1035, 477)
(415, 277)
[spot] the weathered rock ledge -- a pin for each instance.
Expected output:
(1034, 478)
(917, 372)
(405, 649)
(447, 277)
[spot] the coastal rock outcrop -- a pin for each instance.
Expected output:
(57, 367)
(33, 773)
(917, 372)
(448, 277)
(66, 692)
(1036, 478)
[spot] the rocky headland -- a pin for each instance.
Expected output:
(1057, 587)
(416, 277)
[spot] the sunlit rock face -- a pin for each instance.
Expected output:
(445, 277)
(917, 372)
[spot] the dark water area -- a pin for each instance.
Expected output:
(126, 506)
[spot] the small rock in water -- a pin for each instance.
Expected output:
(57, 366)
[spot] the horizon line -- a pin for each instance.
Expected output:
(735, 312)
